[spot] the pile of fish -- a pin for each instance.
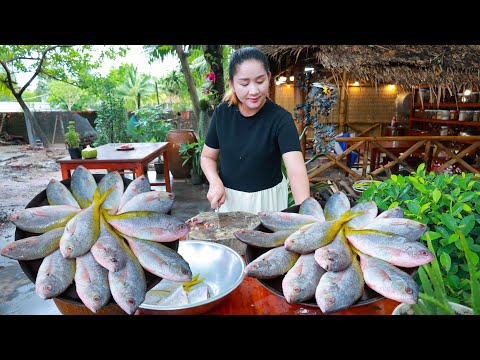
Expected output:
(102, 237)
(330, 253)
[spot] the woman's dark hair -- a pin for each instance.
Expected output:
(237, 58)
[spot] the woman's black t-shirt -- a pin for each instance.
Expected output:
(251, 148)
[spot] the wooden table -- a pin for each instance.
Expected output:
(108, 157)
(395, 147)
(251, 298)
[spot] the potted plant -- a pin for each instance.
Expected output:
(72, 139)
(433, 299)
(193, 151)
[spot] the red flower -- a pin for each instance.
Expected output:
(211, 77)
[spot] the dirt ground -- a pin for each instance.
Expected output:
(24, 172)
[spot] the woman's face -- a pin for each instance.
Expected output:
(251, 84)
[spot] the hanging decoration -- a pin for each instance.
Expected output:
(320, 100)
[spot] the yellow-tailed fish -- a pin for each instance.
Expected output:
(41, 219)
(368, 211)
(335, 256)
(410, 229)
(91, 282)
(273, 263)
(137, 186)
(278, 220)
(301, 280)
(83, 186)
(112, 180)
(336, 206)
(54, 275)
(310, 206)
(260, 239)
(157, 201)
(34, 247)
(59, 194)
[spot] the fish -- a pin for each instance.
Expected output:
(395, 249)
(261, 239)
(278, 220)
(54, 275)
(177, 297)
(273, 263)
(112, 180)
(310, 206)
(395, 212)
(34, 247)
(313, 236)
(148, 225)
(368, 210)
(83, 230)
(338, 290)
(83, 186)
(336, 255)
(300, 282)
(336, 205)
(410, 229)
(199, 292)
(91, 282)
(109, 249)
(58, 194)
(388, 280)
(157, 201)
(128, 285)
(41, 219)
(137, 186)
(160, 260)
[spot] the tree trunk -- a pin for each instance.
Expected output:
(33, 128)
(192, 90)
(214, 58)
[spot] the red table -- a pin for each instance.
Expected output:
(251, 298)
(395, 147)
(108, 157)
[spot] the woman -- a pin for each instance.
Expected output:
(251, 135)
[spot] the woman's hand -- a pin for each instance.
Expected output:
(216, 195)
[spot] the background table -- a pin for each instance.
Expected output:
(109, 158)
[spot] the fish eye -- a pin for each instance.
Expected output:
(296, 289)
(131, 301)
(96, 298)
(424, 252)
(331, 299)
(409, 291)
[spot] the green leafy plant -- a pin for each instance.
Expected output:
(151, 124)
(192, 151)
(446, 203)
(72, 137)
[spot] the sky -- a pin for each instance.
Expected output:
(134, 56)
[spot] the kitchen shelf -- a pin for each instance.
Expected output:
(446, 105)
(449, 122)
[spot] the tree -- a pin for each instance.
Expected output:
(135, 85)
(59, 62)
(64, 94)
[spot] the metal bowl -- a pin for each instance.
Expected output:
(222, 268)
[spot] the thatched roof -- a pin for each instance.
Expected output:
(406, 65)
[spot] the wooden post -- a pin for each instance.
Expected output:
(343, 102)
(299, 98)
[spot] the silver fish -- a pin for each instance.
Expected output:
(34, 247)
(392, 248)
(91, 282)
(277, 220)
(112, 180)
(395, 212)
(273, 263)
(338, 290)
(59, 194)
(410, 229)
(160, 260)
(301, 281)
(137, 186)
(42, 219)
(312, 236)
(335, 256)
(157, 201)
(260, 239)
(369, 212)
(54, 275)
(148, 225)
(388, 280)
(310, 206)
(109, 249)
(336, 205)
(128, 285)
(83, 186)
